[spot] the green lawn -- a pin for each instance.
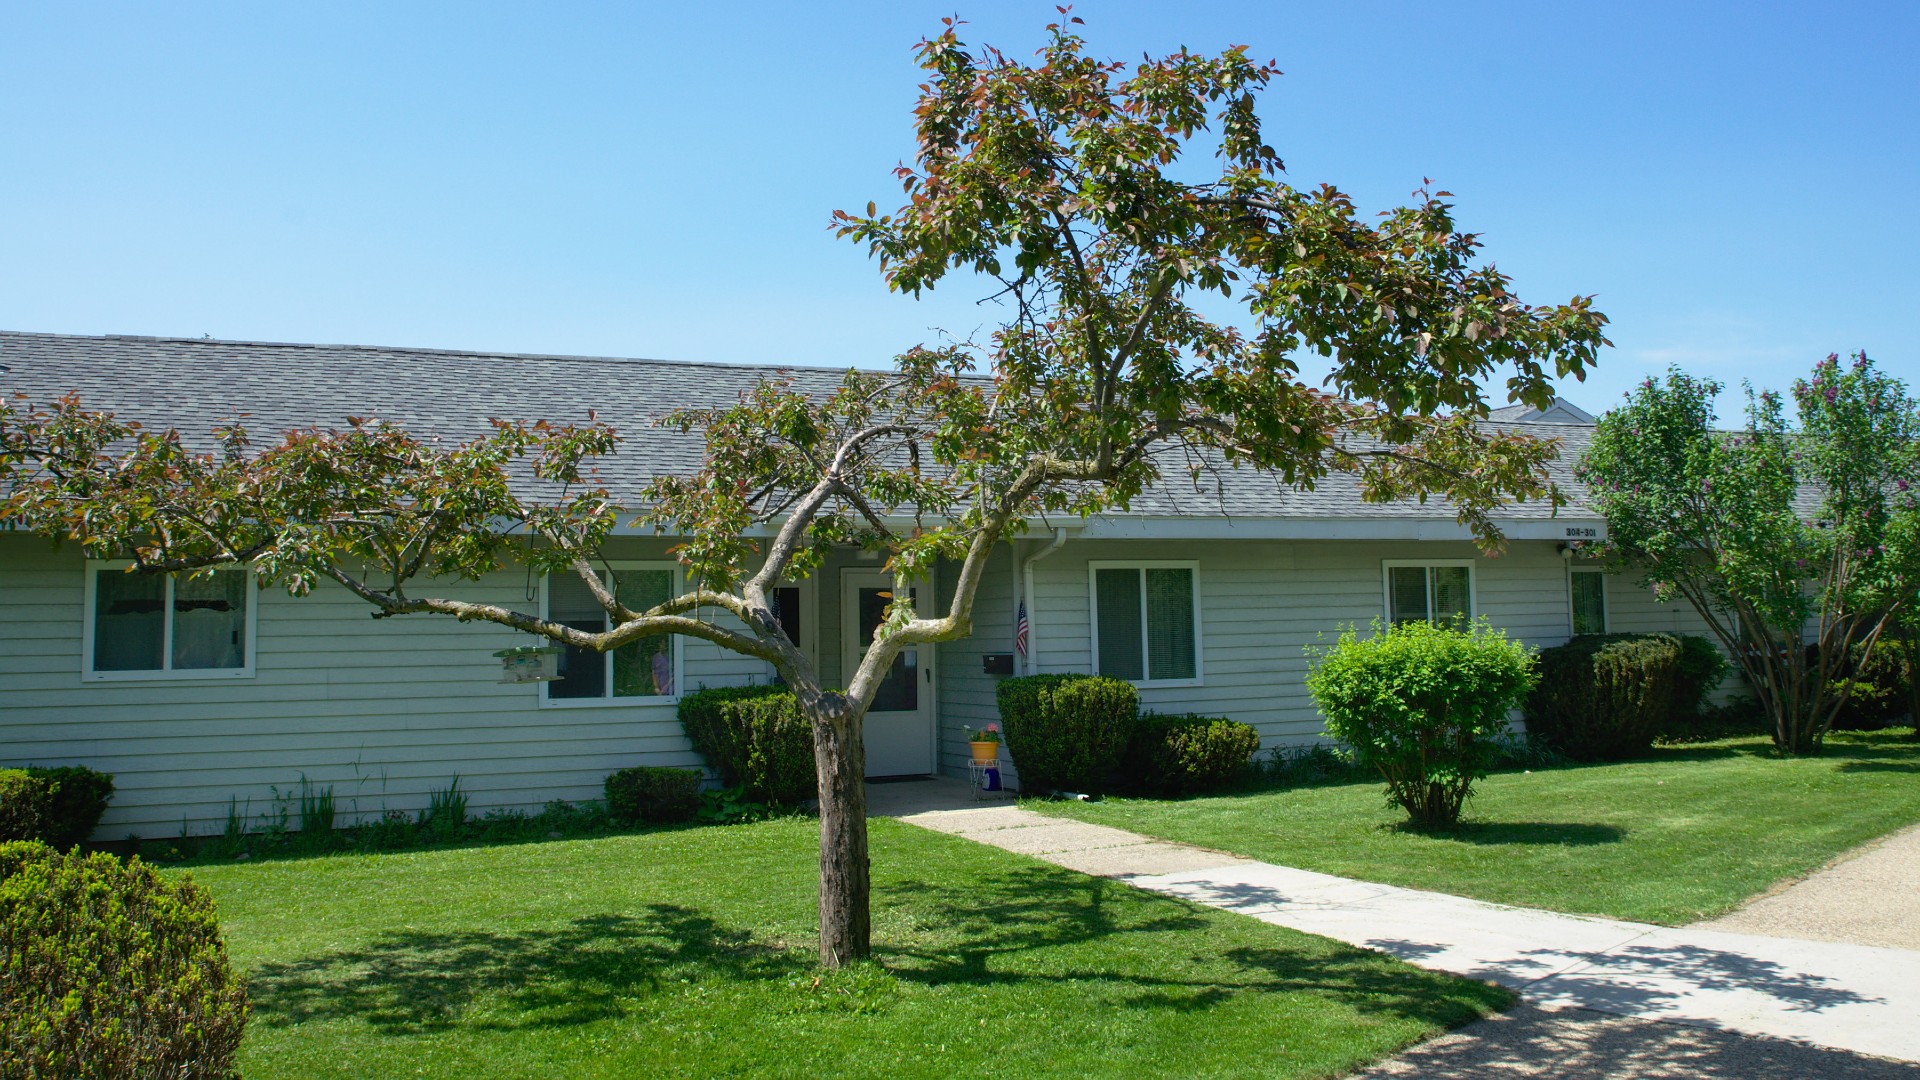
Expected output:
(1684, 835)
(689, 953)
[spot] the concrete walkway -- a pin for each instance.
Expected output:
(1856, 998)
(1869, 896)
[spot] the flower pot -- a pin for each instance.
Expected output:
(985, 753)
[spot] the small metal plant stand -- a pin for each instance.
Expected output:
(985, 773)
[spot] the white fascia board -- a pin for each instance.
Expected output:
(1332, 528)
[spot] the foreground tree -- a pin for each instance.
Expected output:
(1057, 181)
(1797, 544)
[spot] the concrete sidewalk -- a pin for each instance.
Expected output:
(1851, 997)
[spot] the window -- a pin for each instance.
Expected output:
(166, 626)
(1146, 622)
(1589, 601)
(637, 672)
(1436, 592)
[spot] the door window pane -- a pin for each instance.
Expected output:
(1116, 601)
(1589, 603)
(1407, 594)
(129, 621)
(643, 668)
(1169, 623)
(900, 690)
(210, 621)
(583, 672)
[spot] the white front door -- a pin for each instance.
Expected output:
(899, 728)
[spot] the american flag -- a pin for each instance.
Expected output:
(1020, 631)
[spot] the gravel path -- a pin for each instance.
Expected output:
(1869, 896)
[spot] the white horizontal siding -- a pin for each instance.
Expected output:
(1262, 603)
(383, 710)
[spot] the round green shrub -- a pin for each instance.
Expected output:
(1067, 732)
(111, 970)
(1604, 697)
(1424, 706)
(756, 738)
(1187, 753)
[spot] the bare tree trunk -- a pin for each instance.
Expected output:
(840, 755)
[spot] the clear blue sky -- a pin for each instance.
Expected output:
(1734, 180)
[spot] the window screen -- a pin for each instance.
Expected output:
(129, 621)
(148, 622)
(1169, 623)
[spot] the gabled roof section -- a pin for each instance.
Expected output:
(194, 384)
(1561, 411)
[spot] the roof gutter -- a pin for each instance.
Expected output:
(1033, 638)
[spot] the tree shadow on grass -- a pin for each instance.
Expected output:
(1090, 937)
(412, 982)
(1010, 923)
(1531, 833)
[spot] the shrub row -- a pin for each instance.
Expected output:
(57, 806)
(108, 969)
(1086, 734)
(646, 795)
(757, 739)
(1604, 697)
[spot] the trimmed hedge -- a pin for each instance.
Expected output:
(1424, 706)
(111, 970)
(58, 806)
(1067, 732)
(1187, 753)
(1605, 697)
(757, 739)
(653, 796)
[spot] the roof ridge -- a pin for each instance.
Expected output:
(428, 351)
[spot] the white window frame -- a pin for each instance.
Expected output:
(1386, 585)
(167, 673)
(1606, 616)
(674, 642)
(1093, 618)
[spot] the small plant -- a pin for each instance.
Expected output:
(446, 810)
(25, 800)
(1423, 706)
(730, 806)
(316, 808)
(1313, 763)
(390, 831)
(990, 733)
(111, 970)
(653, 796)
(233, 838)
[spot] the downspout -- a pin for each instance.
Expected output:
(1033, 636)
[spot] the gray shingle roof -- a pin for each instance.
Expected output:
(195, 384)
